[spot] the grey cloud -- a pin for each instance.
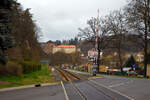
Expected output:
(60, 19)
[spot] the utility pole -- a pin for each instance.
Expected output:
(98, 42)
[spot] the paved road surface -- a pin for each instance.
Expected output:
(139, 89)
(107, 88)
(38, 93)
(135, 88)
(71, 92)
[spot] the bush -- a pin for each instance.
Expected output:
(30, 66)
(13, 68)
(17, 68)
(2, 70)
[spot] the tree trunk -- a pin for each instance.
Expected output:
(98, 60)
(119, 54)
(145, 60)
(120, 60)
(148, 3)
(145, 51)
(146, 19)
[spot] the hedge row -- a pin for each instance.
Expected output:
(19, 68)
(30, 66)
(11, 68)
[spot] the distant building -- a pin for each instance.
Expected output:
(48, 48)
(140, 56)
(64, 48)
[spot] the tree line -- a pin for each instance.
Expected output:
(133, 19)
(19, 33)
(72, 41)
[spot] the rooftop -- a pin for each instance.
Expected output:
(66, 46)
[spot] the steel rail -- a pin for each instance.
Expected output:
(68, 76)
(99, 90)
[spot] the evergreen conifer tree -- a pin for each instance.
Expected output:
(6, 40)
(131, 61)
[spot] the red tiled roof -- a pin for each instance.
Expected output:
(141, 53)
(66, 46)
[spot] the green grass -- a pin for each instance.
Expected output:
(42, 76)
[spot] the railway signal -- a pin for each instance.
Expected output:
(96, 57)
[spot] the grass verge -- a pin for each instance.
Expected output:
(42, 76)
(128, 76)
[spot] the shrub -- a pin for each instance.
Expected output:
(17, 68)
(13, 68)
(30, 66)
(2, 70)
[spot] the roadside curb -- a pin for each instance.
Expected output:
(96, 77)
(27, 86)
(64, 89)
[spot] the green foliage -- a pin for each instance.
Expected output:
(42, 76)
(3, 59)
(58, 42)
(62, 58)
(22, 37)
(131, 61)
(6, 40)
(12, 68)
(17, 68)
(72, 41)
(2, 72)
(30, 66)
(26, 35)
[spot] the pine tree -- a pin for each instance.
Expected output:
(6, 41)
(131, 61)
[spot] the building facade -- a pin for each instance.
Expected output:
(140, 57)
(65, 49)
(48, 48)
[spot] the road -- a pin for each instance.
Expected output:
(91, 91)
(138, 89)
(79, 88)
(133, 88)
(54, 92)
(106, 88)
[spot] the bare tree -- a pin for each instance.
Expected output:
(116, 24)
(89, 34)
(138, 15)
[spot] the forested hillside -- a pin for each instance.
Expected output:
(20, 51)
(25, 33)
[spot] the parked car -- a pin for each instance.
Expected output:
(131, 73)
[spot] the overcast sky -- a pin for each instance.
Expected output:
(60, 19)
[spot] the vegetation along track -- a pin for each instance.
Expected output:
(69, 77)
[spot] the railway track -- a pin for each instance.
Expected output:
(70, 77)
